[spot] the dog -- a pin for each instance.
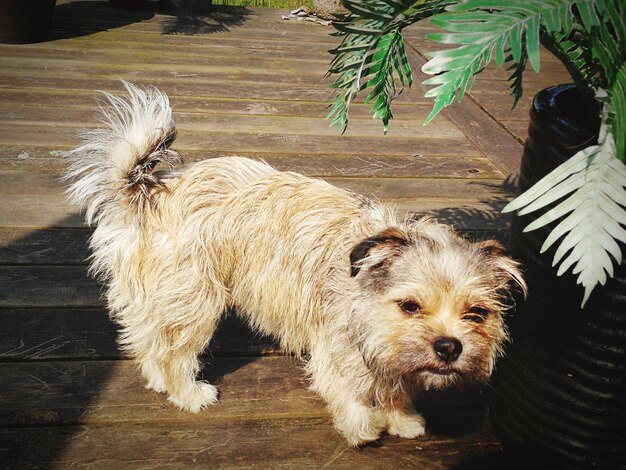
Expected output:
(377, 307)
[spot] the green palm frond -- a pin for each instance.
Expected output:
(389, 56)
(372, 55)
(617, 101)
(593, 183)
(574, 51)
(502, 29)
(516, 88)
(609, 48)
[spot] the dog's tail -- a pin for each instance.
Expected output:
(113, 171)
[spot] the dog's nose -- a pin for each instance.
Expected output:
(448, 349)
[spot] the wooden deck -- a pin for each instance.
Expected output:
(242, 82)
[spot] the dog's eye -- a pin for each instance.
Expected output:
(410, 306)
(476, 314)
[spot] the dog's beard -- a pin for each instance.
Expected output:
(414, 362)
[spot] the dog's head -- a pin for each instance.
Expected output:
(429, 303)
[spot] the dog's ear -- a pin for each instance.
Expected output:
(492, 247)
(387, 243)
(505, 266)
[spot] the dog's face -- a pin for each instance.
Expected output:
(429, 304)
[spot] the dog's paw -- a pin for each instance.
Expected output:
(154, 377)
(156, 383)
(405, 425)
(198, 397)
(157, 386)
(359, 424)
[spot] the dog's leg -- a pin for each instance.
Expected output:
(347, 396)
(152, 373)
(170, 347)
(403, 420)
(179, 370)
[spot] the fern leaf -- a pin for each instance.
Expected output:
(593, 212)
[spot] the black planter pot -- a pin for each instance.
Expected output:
(559, 394)
(25, 21)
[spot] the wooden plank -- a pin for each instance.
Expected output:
(499, 146)
(171, 83)
(242, 53)
(16, 183)
(463, 202)
(222, 141)
(275, 445)
(483, 219)
(62, 333)
(253, 23)
(442, 189)
(276, 35)
(45, 246)
(108, 392)
(280, 40)
(255, 124)
(263, 30)
(286, 73)
(234, 84)
(499, 104)
(37, 212)
(180, 83)
(518, 128)
(45, 159)
(88, 333)
(98, 392)
(266, 34)
(48, 286)
(23, 98)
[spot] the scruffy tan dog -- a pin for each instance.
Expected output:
(379, 308)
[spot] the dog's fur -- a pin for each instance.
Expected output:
(377, 307)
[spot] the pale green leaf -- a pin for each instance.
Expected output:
(517, 41)
(532, 41)
(593, 213)
(572, 183)
(572, 166)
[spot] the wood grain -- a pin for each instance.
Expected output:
(46, 159)
(63, 333)
(251, 389)
(20, 245)
(273, 444)
(48, 286)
